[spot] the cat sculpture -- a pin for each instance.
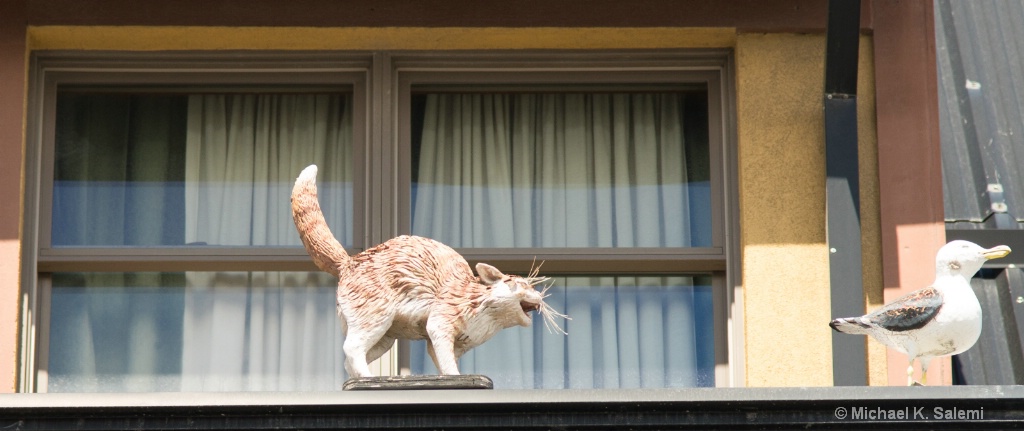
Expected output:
(412, 287)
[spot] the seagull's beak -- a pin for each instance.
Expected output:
(996, 252)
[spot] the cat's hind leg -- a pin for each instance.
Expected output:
(344, 324)
(380, 348)
(360, 341)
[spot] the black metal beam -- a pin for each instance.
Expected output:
(842, 45)
(842, 188)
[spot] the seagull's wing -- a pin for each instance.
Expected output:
(911, 311)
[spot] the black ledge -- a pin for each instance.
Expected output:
(973, 407)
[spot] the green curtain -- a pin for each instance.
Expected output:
(118, 172)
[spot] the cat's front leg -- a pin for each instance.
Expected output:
(444, 358)
(441, 347)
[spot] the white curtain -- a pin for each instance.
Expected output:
(625, 332)
(262, 330)
(571, 170)
(553, 170)
(494, 171)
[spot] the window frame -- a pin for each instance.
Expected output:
(542, 69)
(381, 84)
(711, 68)
(181, 75)
(177, 72)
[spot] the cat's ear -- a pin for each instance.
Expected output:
(489, 274)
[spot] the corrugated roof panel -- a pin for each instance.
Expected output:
(980, 64)
(980, 56)
(997, 358)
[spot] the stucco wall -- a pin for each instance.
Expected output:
(870, 218)
(132, 38)
(12, 108)
(785, 272)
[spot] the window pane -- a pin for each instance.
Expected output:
(562, 169)
(194, 331)
(199, 169)
(625, 332)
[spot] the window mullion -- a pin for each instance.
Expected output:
(175, 259)
(383, 196)
(601, 261)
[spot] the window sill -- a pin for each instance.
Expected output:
(563, 409)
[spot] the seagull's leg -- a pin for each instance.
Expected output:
(924, 370)
(911, 355)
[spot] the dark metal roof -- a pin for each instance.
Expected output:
(980, 53)
(980, 56)
(996, 359)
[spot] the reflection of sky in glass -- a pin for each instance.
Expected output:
(647, 332)
(115, 213)
(565, 202)
(136, 213)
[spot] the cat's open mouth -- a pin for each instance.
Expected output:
(528, 307)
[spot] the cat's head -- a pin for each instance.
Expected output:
(514, 297)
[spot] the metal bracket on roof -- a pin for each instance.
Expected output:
(999, 215)
(831, 96)
(995, 196)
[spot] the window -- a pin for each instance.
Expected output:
(167, 259)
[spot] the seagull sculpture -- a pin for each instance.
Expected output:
(939, 320)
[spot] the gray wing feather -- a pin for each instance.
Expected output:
(911, 311)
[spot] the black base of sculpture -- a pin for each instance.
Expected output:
(397, 383)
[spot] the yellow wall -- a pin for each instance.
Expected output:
(780, 152)
(870, 218)
(785, 271)
(782, 198)
(362, 38)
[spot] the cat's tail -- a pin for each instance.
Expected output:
(328, 254)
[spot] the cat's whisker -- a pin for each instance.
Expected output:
(548, 286)
(549, 315)
(535, 270)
